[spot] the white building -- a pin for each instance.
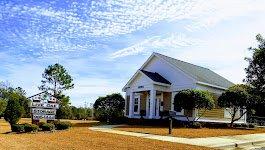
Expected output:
(152, 88)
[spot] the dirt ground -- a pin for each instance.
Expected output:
(79, 137)
(189, 133)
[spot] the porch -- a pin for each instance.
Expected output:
(149, 104)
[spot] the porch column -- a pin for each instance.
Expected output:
(131, 105)
(172, 100)
(152, 103)
(147, 111)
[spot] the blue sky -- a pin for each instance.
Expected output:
(102, 43)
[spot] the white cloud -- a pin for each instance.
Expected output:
(54, 31)
(88, 89)
(209, 13)
(166, 42)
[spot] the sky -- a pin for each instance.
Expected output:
(102, 43)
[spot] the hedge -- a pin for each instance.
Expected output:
(48, 127)
(30, 127)
(62, 125)
(17, 128)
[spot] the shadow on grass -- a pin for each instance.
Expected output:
(87, 124)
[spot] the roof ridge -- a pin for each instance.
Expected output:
(199, 73)
(182, 61)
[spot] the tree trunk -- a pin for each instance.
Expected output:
(233, 117)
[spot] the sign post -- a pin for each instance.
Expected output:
(43, 106)
(172, 114)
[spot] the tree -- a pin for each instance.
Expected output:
(64, 111)
(3, 104)
(7, 91)
(237, 98)
(13, 111)
(193, 99)
(56, 79)
(109, 108)
(256, 69)
(81, 113)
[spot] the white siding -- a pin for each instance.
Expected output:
(140, 81)
(178, 79)
(210, 89)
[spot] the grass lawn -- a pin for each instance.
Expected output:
(187, 132)
(79, 137)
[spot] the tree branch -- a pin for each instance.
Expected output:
(240, 116)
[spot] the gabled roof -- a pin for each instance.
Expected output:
(156, 77)
(200, 74)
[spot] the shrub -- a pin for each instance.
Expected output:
(13, 111)
(251, 125)
(30, 127)
(196, 125)
(40, 124)
(238, 125)
(17, 128)
(48, 127)
(63, 125)
(142, 113)
(244, 125)
(109, 108)
(215, 125)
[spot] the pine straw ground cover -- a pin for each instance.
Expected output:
(79, 137)
(188, 132)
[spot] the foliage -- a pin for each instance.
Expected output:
(237, 98)
(256, 69)
(3, 104)
(48, 127)
(56, 79)
(30, 127)
(251, 125)
(64, 111)
(109, 108)
(17, 128)
(5, 93)
(13, 111)
(193, 99)
(24, 103)
(196, 125)
(40, 124)
(256, 74)
(62, 125)
(81, 113)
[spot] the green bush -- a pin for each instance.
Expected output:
(40, 124)
(237, 125)
(215, 125)
(196, 125)
(17, 128)
(30, 127)
(109, 108)
(63, 125)
(13, 111)
(244, 125)
(48, 127)
(251, 125)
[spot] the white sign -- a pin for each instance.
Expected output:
(43, 111)
(47, 117)
(44, 105)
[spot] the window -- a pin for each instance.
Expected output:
(137, 105)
